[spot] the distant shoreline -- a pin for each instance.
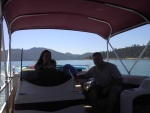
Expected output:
(124, 59)
(137, 58)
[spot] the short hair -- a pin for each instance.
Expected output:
(97, 54)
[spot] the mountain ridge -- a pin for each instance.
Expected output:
(34, 53)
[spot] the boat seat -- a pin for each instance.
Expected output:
(64, 102)
(128, 96)
(129, 82)
(62, 98)
(26, 87)
(132, 81)
(29, 75)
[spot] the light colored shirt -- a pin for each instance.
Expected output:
(104, 75)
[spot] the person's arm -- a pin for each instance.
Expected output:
(81, 76)
(38, 67)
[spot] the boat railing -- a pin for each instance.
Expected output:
(5, 94)
(17, 69)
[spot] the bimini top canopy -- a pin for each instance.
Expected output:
(103, 17)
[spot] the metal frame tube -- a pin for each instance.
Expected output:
(119, 58)
(109, 34)
(130, 10)
(142, 16)
(140, 55)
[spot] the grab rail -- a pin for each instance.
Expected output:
(5, 91)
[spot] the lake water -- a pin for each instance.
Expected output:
(142, 67)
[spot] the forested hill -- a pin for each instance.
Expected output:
(34, 53)
(130, 52)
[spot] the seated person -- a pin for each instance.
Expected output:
(48, 76)
(43, 61)
(53, 63)
(107, 84)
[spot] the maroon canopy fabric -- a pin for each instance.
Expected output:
(103, 17)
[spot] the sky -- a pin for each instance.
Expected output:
(73, 41)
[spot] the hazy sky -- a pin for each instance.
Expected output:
(73, 41)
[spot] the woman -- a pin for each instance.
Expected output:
(44, 60)
(47, 73)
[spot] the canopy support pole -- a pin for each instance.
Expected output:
(107, 51)
(108, 43)
(141, 15)
(1, 20)
(140, 55)
(9, 55)
(119, 58)
(5, 64)
(109, 33)
(6, 74)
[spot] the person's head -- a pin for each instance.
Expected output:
(97, 58)
(53, 63)
(45, 57)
